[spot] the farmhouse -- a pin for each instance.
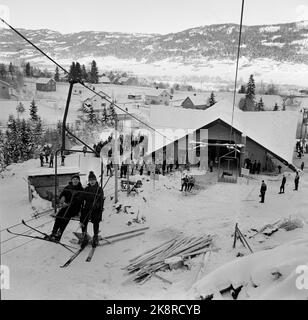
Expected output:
(267, 137)
(96, 102)
(6, 90)
(158, 96)
(46, 84)
(104, 80)
(195, 102)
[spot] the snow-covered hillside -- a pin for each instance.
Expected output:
(212, 209)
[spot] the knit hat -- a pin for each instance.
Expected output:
(92, 175)
(76, 176)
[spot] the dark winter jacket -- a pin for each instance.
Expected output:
(263, 188)
(284, 180)
(296, 180)
(93, 202)
(73, 197)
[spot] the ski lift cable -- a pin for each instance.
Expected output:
(81, 82)
(236, 71)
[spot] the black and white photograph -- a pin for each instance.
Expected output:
(154, 150)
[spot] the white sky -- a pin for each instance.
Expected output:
(146, 16)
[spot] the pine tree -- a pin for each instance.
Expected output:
(84, 73)
(3, 72)
(242, 89)
(260, 105)
(11, 69)
(250, 89)
(11, 141)
(93, 73)
(78, 71)
(91, 116)
(113, 114)
(33, 111)
(212, 100)
(28, 70)
(57, 75)
(72, 72)
(104, 119)
(275, 107)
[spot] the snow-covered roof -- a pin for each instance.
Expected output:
(51, 171)
(156, 92)
(44, 80)
(274, 130)
(197, 100)
(104, 79)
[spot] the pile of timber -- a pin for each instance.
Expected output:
(153, 260)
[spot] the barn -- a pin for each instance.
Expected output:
(46, 84)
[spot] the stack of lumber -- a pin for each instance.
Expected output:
(153, 260)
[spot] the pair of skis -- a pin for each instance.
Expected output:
(39, 238)
(118, 237)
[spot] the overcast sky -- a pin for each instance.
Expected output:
(146, 16)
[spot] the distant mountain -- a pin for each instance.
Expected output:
(281, 43)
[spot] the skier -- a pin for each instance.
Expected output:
(93, 206)
(262, 191)
(296, 181)
(258, 167)
(109, 165)
(62, 158)
(211, 165)
(283, 182)
(42, 159)
(184, 182)
(70, 202)
(84, 150)
(191, 183)
(302, 165)
(51, 159)
(279, 169)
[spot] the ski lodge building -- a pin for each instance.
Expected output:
(267, 136)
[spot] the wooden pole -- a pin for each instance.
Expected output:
(116, 161)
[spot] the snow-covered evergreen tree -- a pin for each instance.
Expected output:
(251, 88)
(93, 73)
(33, 111)
(57, 75)
(260, 105)
(212, 99)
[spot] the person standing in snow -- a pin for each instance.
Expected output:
(296, 181)
(262, 191)
(302, 165)
(184, 182)
(283, 182)
(70, 202)
(42, 159)
(52, 155)
(258, 167)
(84, 150)
(93, 206)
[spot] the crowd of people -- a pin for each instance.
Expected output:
(254, 167)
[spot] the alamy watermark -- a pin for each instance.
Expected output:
(4, 277)
(302, 280)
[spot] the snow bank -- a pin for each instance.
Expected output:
(268, 274)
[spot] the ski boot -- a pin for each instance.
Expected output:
(95, 241)
(84, 240)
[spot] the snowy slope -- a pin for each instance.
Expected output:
(214, 209)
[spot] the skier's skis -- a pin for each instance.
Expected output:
(91, 253)
(72, 258)
(40, 238)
